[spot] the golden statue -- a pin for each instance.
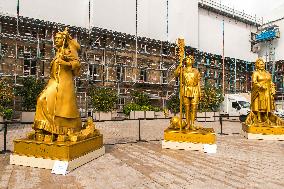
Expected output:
(56, 111)
(181, 134)
(58, 130)
(261, 119)
(190, 90)
(262, 97)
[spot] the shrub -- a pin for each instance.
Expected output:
(135, 107)
(211, 99)
(29, 91)
(131, 107)
(6, 99)
(173, 103)
(103, 99)
(140, 98)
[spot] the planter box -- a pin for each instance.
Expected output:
(150, 114)
(137, 114)
(159, 115)
(200, 114)
(27, 116)
(210, 116)
(102, 116)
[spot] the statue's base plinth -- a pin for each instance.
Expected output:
(45, 163)
(65, 151)
(202, 139)
(263, 132)
(44, 154)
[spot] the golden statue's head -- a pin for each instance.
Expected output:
(62, 38)
(259, 64)
(189, 60)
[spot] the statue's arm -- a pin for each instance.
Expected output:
(255, 82)
(75, 66)
(273, 88)
(177, 71)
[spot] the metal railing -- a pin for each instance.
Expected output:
(138, 128)
(231, 11)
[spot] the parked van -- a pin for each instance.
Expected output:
(235, 105)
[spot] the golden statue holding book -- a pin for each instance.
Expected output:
(262, 123)
(58, 129)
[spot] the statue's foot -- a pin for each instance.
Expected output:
(31, 135)
(48, 138)
(39, 136)
(62, 138)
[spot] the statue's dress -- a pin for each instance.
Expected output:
(262, 99)
(57, 110)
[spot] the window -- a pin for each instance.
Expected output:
(164, 77)
(235, 105)
(144, 47)
(177, 81)
(244, 104)
(93, 72)
(121, 44)
(119, 73)
(29, 65)
(143, 74)
(165, 51)
(121, 101)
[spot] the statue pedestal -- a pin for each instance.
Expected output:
(202, 139)
(43, 155)
(263, 131)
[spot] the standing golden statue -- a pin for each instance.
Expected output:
(190, 91)
(181, 134)
(58, 130)
(261, 119)
(56, 111)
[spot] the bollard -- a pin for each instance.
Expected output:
(139, 129)
(221, 124)
(5, 138)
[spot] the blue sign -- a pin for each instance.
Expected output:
(268, 34)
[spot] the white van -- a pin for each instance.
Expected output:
(235, 105)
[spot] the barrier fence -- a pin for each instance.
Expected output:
(121, 131)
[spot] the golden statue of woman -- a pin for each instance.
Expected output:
(57, 111)
(262, 97)
(191, 90)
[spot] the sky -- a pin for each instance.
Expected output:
(268, 9)
(51, 9)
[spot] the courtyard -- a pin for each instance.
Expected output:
(238, 163)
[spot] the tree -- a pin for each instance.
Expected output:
(173, 104)
(211, 99)
(103, 99)
(29, 91)
(140, 98)
(6, 99)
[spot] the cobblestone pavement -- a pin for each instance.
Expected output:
(238, 163)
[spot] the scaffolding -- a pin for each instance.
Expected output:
(111, 59)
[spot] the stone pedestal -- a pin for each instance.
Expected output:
(201, 139)
(27, 116)
(41, 154)
(46, 163)
(263, 132)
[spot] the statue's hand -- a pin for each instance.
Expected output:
(263, 87)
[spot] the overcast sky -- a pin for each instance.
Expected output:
(53, 9)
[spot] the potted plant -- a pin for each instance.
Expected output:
(29, 91)
(173, 105)
(103, 101)
(6, 101)
(211, 99)
(143, 101)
